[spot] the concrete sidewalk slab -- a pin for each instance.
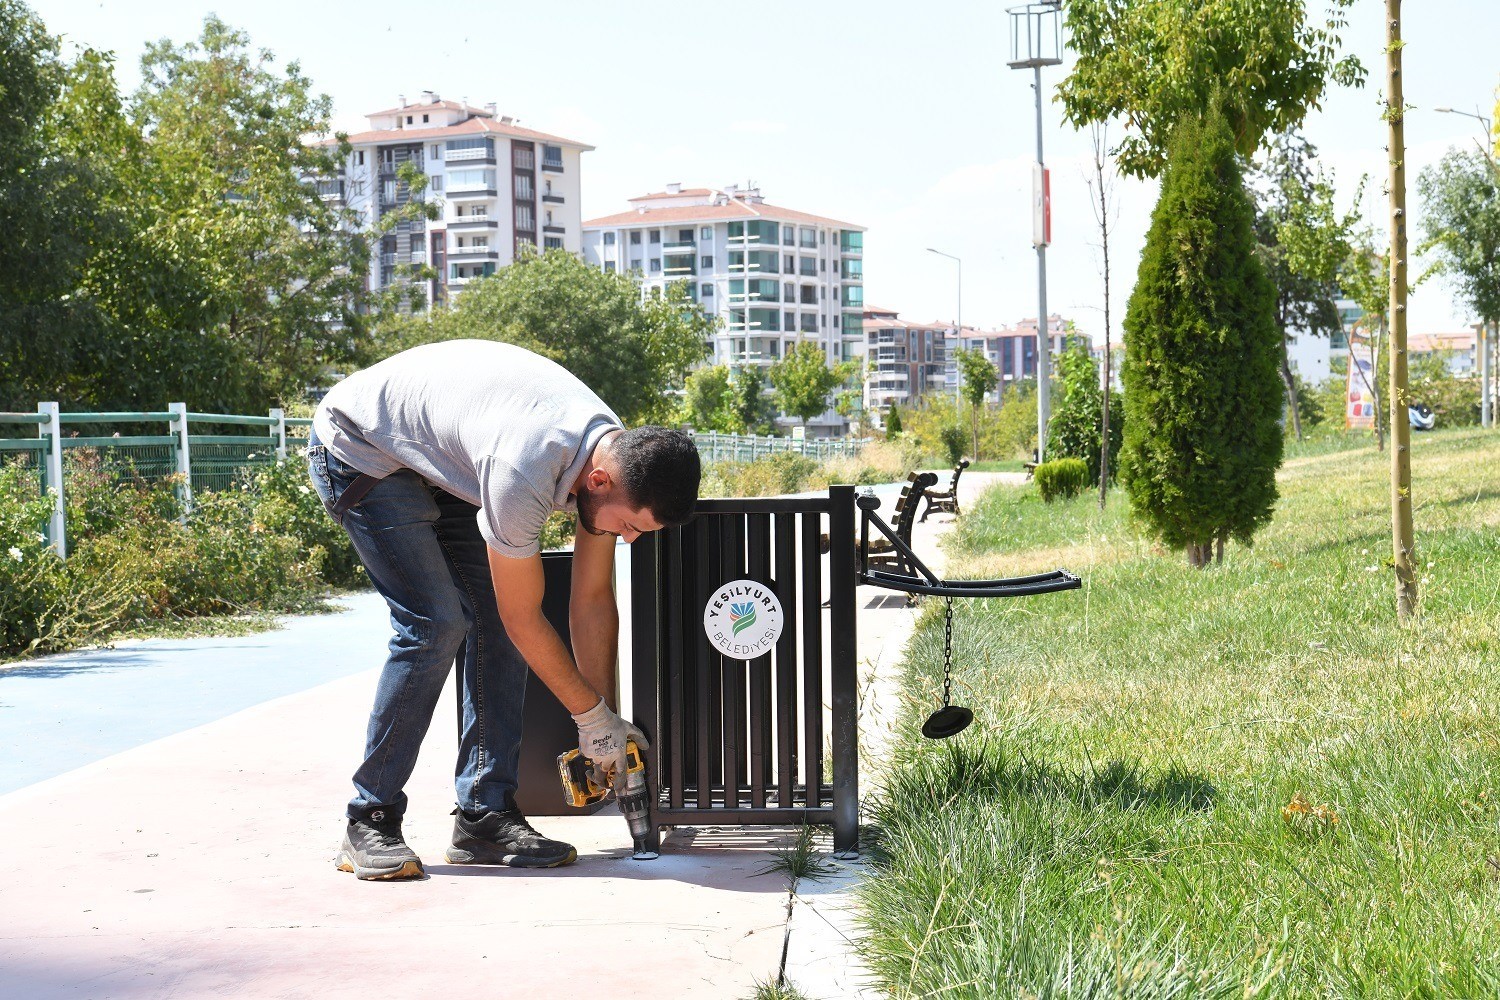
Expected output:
(201, 865)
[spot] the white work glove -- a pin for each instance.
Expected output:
(601, 738)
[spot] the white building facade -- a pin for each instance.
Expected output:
(498, 187)
(775, 276)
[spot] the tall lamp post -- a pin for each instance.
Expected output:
(958, 375)
(1036, 41)
(1484, 342)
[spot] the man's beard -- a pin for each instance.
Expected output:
(588, 509)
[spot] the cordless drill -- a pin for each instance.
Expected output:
(580, 789)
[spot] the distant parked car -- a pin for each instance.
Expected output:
(1422, 417)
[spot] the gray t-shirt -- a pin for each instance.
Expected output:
(494, 424)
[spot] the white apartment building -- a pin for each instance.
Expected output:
(498, 185)
(775, 276)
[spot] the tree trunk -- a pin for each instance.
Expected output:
(1402, 532)
(1219, 550)
(976, 433)
(1291, 388)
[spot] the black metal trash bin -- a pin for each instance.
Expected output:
(547, 727)
(741, 741)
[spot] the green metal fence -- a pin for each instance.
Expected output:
(150, 445)
(716, 447)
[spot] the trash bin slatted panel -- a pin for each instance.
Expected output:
(812, 659)
(786, 658)
(758, 553)
(675, 565)
(741, 742)
(733, 540)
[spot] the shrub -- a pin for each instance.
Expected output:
(1063, 478)
(1078, 413)
(952, 439)
(1203, 390)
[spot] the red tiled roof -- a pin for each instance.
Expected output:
(474, 126)
(1422, 343)
(735, 209)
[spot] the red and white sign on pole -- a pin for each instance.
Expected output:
(1041, 206)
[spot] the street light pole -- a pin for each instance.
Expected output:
(958, 375)
(1484, 345)
(1036, 41)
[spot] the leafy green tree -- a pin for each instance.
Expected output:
(977, 378)
(280, 273)
(631, 350)
(1303, 245)
(748, 406)
(892, 421)
(1461, 222)
(1202, 442)
(1077, 421)
(703, 397)
(1151, 65)
(804, 380)
(49, 188)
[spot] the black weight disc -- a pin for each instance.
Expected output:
(946, 722)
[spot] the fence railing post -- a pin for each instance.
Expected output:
(179, 425)
(57, 528)
(278, 431)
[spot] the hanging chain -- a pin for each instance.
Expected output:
(948, 652)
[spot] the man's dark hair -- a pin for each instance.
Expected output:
(659, 470)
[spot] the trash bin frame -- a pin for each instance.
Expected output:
(682, 708)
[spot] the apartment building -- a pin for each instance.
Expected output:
(499, 186)
(775, 276)
(906, 360)
(1012, 350)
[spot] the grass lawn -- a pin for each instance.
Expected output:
(1245, 781)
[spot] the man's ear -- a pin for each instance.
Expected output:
(598, 478)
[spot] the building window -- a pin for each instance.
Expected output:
(656, 236)
(788, 235)
(525, 220)
(822, 237)
(655, 265)
(789, 292)
(408, 119)
(706, 233)
(822, 264)
(549, 217)
(791, 265)
(609, 267)
(809, 297)
(808, 239)
(835, 322)
(437, 182)
(707, 290)
(609, 239)
(809, 266)
(789, 321)
(706, 262)
(424, 118)
(635, 263)
(547, 185)
(522, 157)
(553, 242)
(523, 187)
(552, 157)
(359, 158)
(635, 237)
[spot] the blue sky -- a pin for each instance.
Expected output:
(901, 117)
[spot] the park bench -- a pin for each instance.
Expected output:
(881, 550)
(945, 502)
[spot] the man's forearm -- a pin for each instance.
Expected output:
(595, 628)
(548, 658)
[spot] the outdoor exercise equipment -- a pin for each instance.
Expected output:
(733, 656)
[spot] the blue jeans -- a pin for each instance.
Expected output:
(422, 549)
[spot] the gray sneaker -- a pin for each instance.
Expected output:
(374, 850)
(504, 838)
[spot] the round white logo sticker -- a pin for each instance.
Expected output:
(743, 619)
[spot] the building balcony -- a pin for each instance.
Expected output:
(473, 253)
(471, 223)
(469, 156)
(554, 229)
(553, 166)
(553, 199)
(471, 194)
(687, 246)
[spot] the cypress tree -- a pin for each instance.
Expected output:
(1202, 393)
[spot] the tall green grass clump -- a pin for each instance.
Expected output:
(1061, 479)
